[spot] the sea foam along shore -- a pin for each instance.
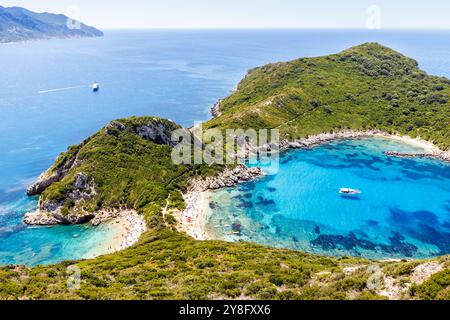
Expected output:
(192, 221)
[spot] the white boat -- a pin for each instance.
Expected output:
(95, 86)
(349, 191)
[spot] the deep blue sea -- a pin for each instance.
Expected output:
(46, 104)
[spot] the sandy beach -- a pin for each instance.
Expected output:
(426, 145)
(131, 226)
(192, 220)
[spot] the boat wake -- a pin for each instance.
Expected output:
(63, 89)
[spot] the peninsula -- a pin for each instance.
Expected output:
(127, 166)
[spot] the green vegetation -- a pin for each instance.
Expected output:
(126, 170)
(364, 87)
(168, 265)
(436, 288)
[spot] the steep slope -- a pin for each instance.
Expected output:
(19, 24)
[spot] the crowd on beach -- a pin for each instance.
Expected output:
(193, 216)
(134, 226)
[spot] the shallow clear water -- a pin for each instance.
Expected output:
(404, 210)
(172, 74)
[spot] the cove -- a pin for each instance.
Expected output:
(403, 211)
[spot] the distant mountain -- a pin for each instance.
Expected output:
(18, 24)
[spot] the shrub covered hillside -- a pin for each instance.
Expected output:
(128, 164)
(168, 265)
(368, 86)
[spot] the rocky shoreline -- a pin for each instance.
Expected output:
(215, 110)
(83, 188)
(53, 175)
(313, 141)
(132, 225)
(409, 155)
(47, 218)
(317, 140)
(227, 179)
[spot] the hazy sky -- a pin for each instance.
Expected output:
(397, 14)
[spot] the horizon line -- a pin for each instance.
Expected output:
(270, 28)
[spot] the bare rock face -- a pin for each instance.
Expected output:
(43, 183)
(74, 218)
(50, 206)
(84, 188)
(156, 132)
(114, 127)
(50, 212)
(50, 177)
(81, 181)
(227, 179)
(215, 110)
(40, 218)
(47, 218)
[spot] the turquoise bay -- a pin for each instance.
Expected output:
(403, 212)
(171, 74)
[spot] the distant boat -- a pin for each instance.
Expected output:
(95, 86)
(348, 191)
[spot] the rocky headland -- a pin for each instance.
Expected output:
(82, 187)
